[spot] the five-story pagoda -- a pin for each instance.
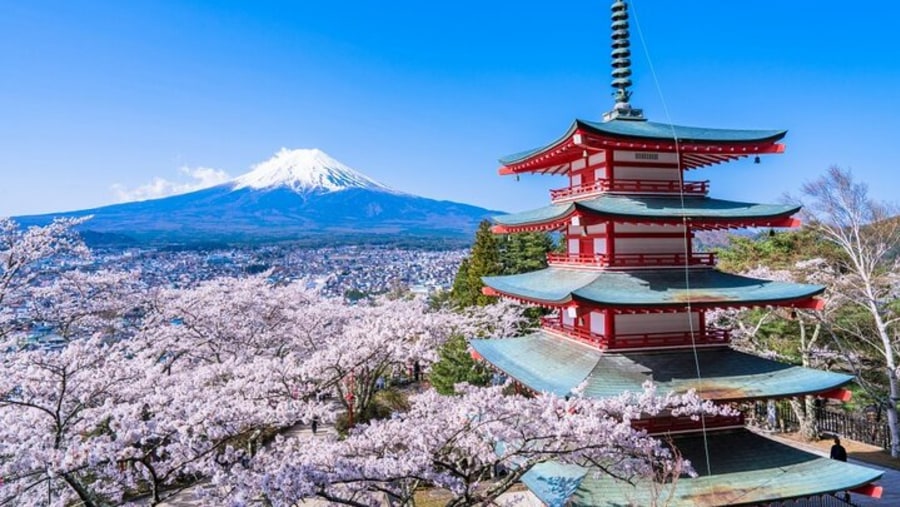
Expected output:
(631, 298)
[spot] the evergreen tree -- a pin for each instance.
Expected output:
(460, 293)
(525, 252)
(492, 255)
(456, 365)
(484, 261)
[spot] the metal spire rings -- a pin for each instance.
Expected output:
(621, 64)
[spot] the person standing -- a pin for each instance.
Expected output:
(315, 424)
(837, 450)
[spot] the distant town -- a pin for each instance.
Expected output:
(352, 271)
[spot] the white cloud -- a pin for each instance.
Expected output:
(198, 178)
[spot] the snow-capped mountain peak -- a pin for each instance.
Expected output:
(305, 170)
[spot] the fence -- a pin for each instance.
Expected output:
(861, 428)
(815, 501)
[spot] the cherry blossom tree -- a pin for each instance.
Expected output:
(55, 415)
(56, 406)
(27, 258)
(456, 443)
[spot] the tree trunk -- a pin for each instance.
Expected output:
(83, 494)
(890, 406)
(806, 416)
(894, 387)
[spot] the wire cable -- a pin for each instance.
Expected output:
(684, 221)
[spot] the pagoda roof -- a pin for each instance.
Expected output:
(651, 130)
(744, 469)
(548, 363)
(706, 211)
(648, 288)
(701, 146)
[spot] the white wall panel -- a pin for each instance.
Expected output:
(598, 323)
(649, 245)
(666, 229)
(597, 158)
(656, 323)
(646, 173)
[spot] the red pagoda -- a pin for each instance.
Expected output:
(630, 299)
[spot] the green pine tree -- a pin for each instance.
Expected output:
(456, 365)
(460, 293)
(525, 252)
(483, 261)
(492, 255)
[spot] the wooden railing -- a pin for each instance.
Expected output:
(870, 428)
(632, 187)
(632, 260)
(708, 336)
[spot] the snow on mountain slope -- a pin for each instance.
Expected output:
(305, 170)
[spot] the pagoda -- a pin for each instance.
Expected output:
(630, 297)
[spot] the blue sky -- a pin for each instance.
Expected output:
(99, 99)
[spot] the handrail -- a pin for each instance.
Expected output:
(631, 186)
(706, 336)
(633, 260)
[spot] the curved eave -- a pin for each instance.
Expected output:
(702, 213)
(532, 154)
(546, 286)
(664, 132)
(701, 287)
(743, 469)
(544, 362)
(698, 146)
(540, 219)
(698, 209)
(649, 289)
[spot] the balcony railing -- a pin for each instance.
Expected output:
(638, 260)
(708, 336)
(631, 187)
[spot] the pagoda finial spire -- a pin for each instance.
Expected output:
(621, 66)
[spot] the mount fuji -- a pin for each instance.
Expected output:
(298, 194)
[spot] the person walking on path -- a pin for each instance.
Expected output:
(315, 424)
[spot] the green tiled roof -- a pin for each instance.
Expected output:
(547, 363)
(619, 206)
(667, 132)
(746, 469)
(655, 131)
(647, 288)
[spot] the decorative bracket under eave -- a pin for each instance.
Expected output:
(810, 304)
(871, 490)
(839, 394)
